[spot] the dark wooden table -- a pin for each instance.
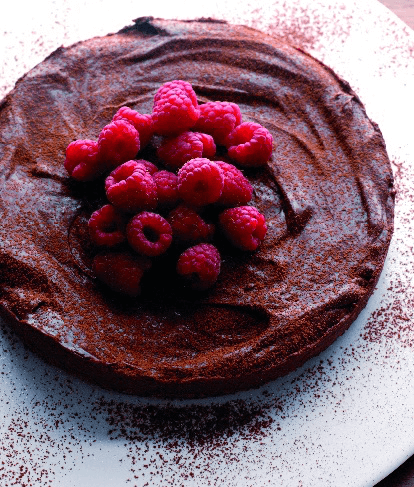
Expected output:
(404, 475)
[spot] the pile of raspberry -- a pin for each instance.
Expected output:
(153, 209)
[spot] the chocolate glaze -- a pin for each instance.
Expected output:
(327, 194)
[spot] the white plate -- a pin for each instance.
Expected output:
(344, 419)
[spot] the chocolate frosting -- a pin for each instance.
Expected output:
(327, 194)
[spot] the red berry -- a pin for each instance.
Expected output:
(142, 123)
(249, 144)
(149, 234)
(218, 118)
(209, 147)
(176, 151)
(244, 226)
(167, 188)
(107, 226)
(200, 182)
(121, 271)
(176, 84)
(130, 187)
(118, 142)
(188, 226)
(175, 110)
(236, 190)
(149, 166)
(201, 265)
(82, 160)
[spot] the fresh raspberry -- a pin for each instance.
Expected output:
(167, 188)
(149, 166)
(236, 190)
(149, 234)
(244, 226)
(107, 226)
(174, 111)
(130, 187)
(209, 146)
(82, 160)
(218, 118)
(176, 151)
(176, 84)
(118, 142)
(249, 144)
(188, 226)
(143, 123)
(200, 265)
(200, 182)
(121, 271)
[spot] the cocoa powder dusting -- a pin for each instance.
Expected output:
(391, 324)
(63, 426)
(45, 438)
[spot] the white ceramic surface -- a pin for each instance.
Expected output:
(344, 419)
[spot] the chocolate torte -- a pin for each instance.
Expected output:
(327, 194)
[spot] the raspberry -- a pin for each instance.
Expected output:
(244, 226)
(237, 189)
(121, 271)
(176, 151)
(130, 187)
(209, 147)
(149, 166)
(118, 142)
(200, 182)
(249, 144)
(188, 226)
(167, 188)
(175, 110)
(200, 265)
(218, 118)
(176, 84)
(149, 234)
(107, 226)
(82, 160)
(142, 123)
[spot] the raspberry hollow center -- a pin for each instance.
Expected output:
(151, 234)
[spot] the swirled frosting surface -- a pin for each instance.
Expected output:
(327, 194)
